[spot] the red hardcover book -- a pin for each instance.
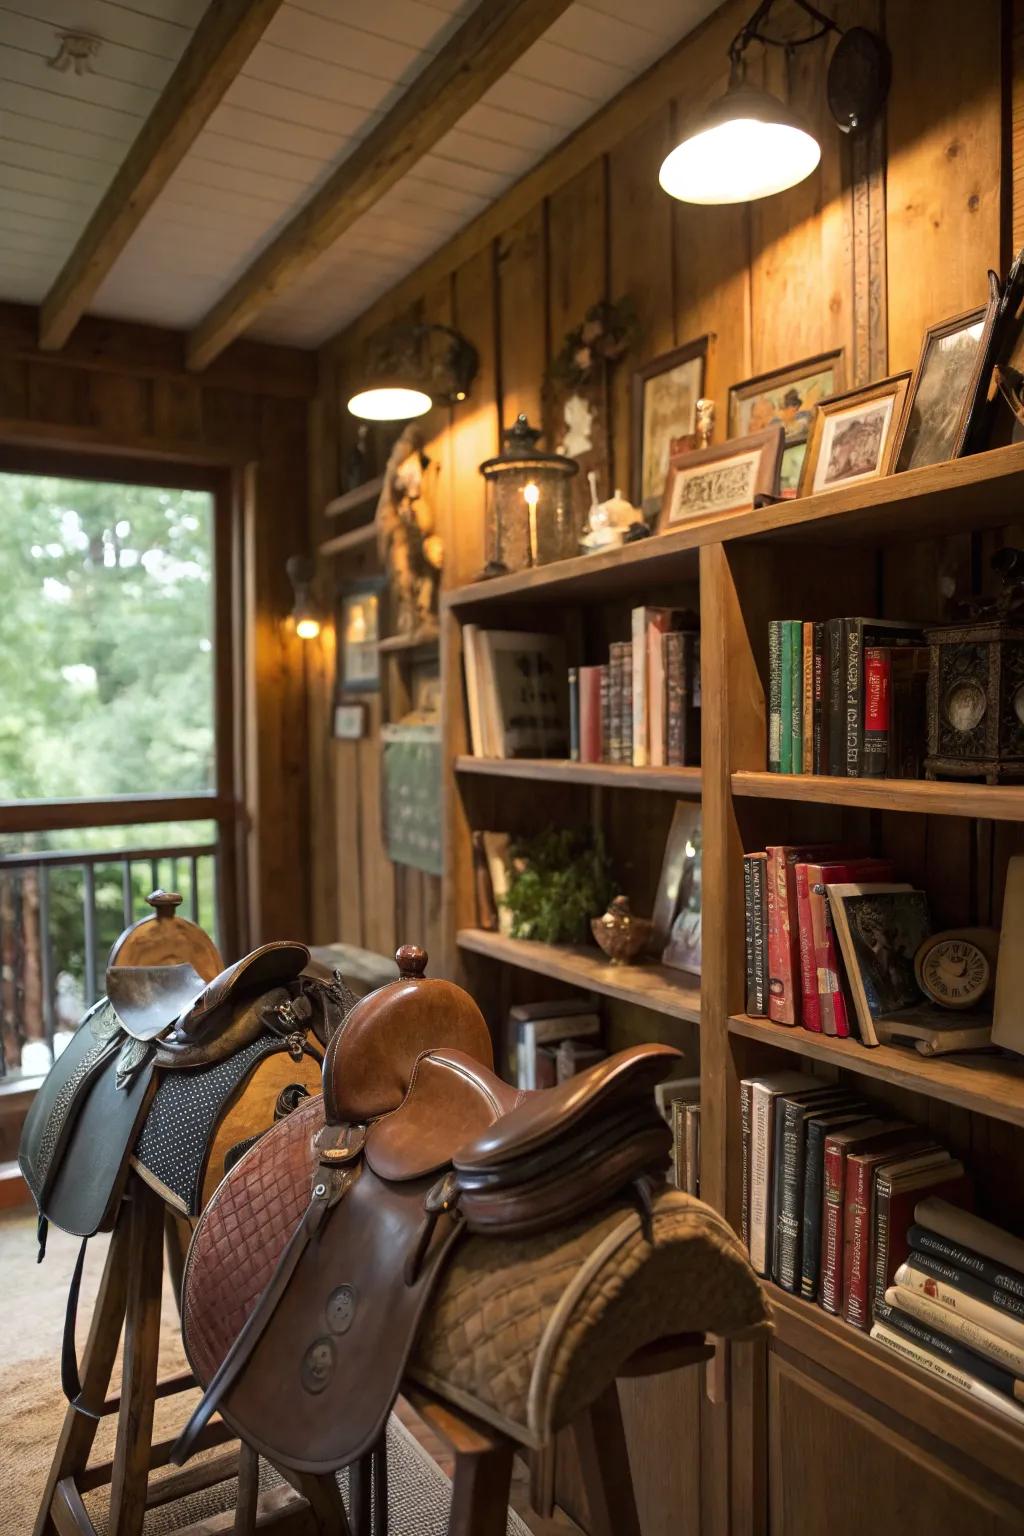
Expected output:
(814, 920)
(865, 1136)
(893, 1201)
(784, 929)
(877, 710)
(857, 1232)
(591, 722)
(810, 1006)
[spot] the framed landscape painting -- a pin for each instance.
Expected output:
(723, 479)
(665, 395)
(786, 398)
(853, 436)
(943, 389)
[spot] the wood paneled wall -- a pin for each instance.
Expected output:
(891, 234)
(123, 389)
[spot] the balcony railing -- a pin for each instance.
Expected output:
(59, 914)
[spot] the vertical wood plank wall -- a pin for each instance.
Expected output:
(852, 257)
(124, 389)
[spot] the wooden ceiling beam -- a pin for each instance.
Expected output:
(487, 44)
(220, 46)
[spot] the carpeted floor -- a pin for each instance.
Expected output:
(32, 1406)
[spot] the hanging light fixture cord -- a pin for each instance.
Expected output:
(751, 32)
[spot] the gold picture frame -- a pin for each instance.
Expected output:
(707, 482)
(853, 435)
(943, 389)
(787, 397)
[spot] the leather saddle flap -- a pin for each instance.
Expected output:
(148, 998)
(545, 1119)
(451, 1099)
(272, 965)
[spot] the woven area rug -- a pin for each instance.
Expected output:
(32, 1406)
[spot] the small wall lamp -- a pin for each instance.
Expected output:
(413, 367)
(749, 144)
(305, 612)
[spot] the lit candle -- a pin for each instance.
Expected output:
(531, 495)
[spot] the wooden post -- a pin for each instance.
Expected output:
(600, 1441)
(130, 1475)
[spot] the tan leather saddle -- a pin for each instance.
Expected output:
(418, 1141)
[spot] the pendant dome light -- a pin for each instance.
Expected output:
(411, 368)
(749, 144)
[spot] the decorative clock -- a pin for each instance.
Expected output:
(956, 969)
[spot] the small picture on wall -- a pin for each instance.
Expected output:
(942, 391)
(786, 398)
(722, 479)
(665, 395)
(853, 435)
(358, 634)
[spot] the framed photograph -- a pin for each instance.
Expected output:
(359, 625)
(722, 479)
(853, 435)
(880, 929)
(349, 722)
(786, 398)
(943, 390)
(675, 936)
(665, 395)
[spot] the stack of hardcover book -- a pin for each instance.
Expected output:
(847, 697)
(552, 1041)
(643, 705)
(869, 1217)
(831, 938)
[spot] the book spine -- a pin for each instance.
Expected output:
(776, 984)
(962, 1302)
(606, 713)
(692, 1148)
(675, 724)
(789, 1176)
(938, 1344)
(877, 710)
(912, 1351)
(810, 1248)
(786, 699)
(836, 700)
(922, 1240)
(807, 677)
(615, 702)
(991, 1295)
(760, 1178)
(782, 957)
(574, 714)
(775, 696)
(759, 883)
(857, 1243)
(638, 685)
(819, 741)
(679, 1143)
(746, 1135)
(810, 1011)
(853, 657)
(748, 928)
(775, 1165)
(962, 1226)
(830, 1292)
(882, 1223)
(627, 702)
(796, 716)
(974, 1335)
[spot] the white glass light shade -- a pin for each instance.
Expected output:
(389, 404)
(748, 145)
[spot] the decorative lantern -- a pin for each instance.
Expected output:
(530, 518)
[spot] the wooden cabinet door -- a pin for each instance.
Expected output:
(837, 1468)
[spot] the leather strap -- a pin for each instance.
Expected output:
(70, 1380)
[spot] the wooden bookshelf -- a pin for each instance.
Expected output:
(997, 802)
(675, 993)
(678, 781)
(989, 1084)
(348, 543)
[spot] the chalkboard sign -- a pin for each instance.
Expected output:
(412, 795)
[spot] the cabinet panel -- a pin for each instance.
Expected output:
(833, 1467)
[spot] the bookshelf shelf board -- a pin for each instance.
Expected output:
(905, 1388)
(996, 802)
(422, 640)
(362, 537)
(991, 1085)
(663, 558)
(352, 500)
(650, 986)
(679, 781)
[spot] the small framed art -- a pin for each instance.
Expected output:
(786, 398)
(853, 435)
(359, 626)
(676, 934)
(349, 722)
(722, 479)
(665, 395)
(943, 389)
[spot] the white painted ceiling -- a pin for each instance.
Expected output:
(323, 75)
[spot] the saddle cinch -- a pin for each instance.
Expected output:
(303, 1292)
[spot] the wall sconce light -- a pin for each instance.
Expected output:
(749, 144)
(305, 612)
(413, 367)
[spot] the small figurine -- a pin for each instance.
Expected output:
(705, 422)
(609, 523)
(410, 549)
(621, 935)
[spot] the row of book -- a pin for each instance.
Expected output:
(551, 1041)
(642, 706)
(871, 1219)
(831, 938)
(847, 697)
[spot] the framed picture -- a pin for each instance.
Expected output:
(358, 633)
(349, 722)
(943, 390)
(880, 929)
(722, 479)
(679, 886)
(853, 435)
(786, 398)
(665, 395)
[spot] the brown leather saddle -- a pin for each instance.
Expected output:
(417, 1141)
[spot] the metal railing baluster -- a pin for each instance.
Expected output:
(127, 896)
(46, 954)
(194, 887)
(154, 874)
(89, 937)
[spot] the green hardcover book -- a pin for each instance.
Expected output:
(796, 699)
(774, 694)
(786, 699)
